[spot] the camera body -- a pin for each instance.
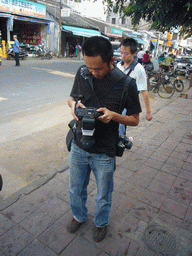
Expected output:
(123, 143)
(87, 116)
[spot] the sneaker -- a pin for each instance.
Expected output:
(99, 233)
(73, 226)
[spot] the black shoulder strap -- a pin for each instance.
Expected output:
(132, 67)
(125, 93)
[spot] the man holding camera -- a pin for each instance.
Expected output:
(99, 86)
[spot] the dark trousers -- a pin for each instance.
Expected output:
(17, 59)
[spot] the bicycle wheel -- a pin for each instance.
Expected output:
(151, 82)
(166, 91)
(178, 84)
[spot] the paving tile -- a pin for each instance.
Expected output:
(122, 173)
(144, 152)
(180, 195)
(128, 224)
(187, 166)
(149, 197)
(148, 171)
(189, 158)
(131, 165)
(57, 237)
(178, 155)
(165, 178)
(5, 224)
(138, 158)
(118, 182)
(154, 163)
(183, 183)
(170, 144)
(57, 189)
(141, 180)
(55, 208)
(159, 157)
(143, 211)
(14, 241)
(81, 247)
(127, 188)
(174, 208)
(38, 197)
(19, 211)
(175, 162)
(170, 218)
(160, 187)
(171, 169)
(144, 251)
(188, 216)
(164, 151)
(183, 148)
(122, 202)
(186, 174)
(37, 222)
(36, 248)
(115, 242)
(187, 225)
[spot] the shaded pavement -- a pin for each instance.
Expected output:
(152, 200)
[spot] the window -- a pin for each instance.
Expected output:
(113, 21)
(123, 21)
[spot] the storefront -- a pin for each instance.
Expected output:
(75, 35)
(25, 19)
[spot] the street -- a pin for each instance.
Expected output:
(33, 101)
(34, 118)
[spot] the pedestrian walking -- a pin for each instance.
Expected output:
(16, 50)
(140, 55)
(100, 85)
(132, 68)
(79, 52)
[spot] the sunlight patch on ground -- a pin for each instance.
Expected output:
(56, 72)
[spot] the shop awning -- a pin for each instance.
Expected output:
(139, 40)
(81, 31)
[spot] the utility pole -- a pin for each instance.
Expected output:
(60, 28)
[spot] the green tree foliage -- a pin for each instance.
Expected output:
(161, 14)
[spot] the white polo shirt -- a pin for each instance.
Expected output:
(138, 73)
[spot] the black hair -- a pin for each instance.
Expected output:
(98, 46)
(130, 42)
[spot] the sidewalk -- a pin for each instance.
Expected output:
(152, 200)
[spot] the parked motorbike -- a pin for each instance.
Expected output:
(22, 54)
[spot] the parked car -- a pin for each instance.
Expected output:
(180, 63)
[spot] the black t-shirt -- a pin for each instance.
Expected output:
(108, 92)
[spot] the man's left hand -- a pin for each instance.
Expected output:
(107, 115)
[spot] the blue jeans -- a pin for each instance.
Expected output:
(122, 127)
(80, 164)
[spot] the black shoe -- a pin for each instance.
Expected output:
(99, 233)
(73, 226)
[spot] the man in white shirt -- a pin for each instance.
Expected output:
(130, 67)
(140, 55)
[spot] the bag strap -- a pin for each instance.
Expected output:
(125, 93)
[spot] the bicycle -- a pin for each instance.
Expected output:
(160, 82)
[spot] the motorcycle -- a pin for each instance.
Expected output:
(22, 54)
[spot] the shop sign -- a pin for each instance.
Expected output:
(65, 12)
(113, 32)
(23, 7)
